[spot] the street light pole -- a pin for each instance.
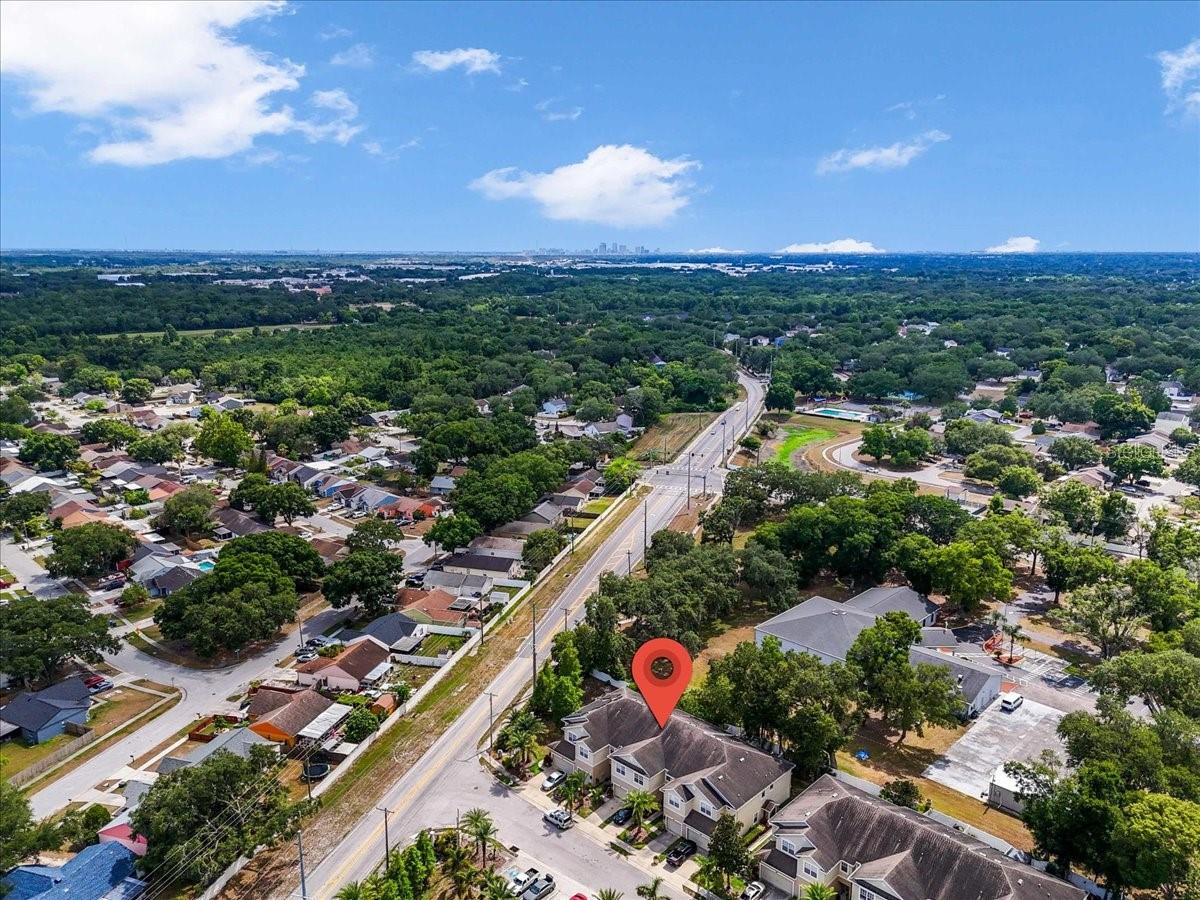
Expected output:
(533, 607)
(491, 723)
(645, 525)
(303, 882)
(629, 561)
(387, 841)
(689, 480)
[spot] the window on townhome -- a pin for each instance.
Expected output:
(846, 867)
(706, 809)
(620, 769)
(865, 893)
(787, 846)
(673, 801)
(572, 736)
(638, 779)
(810, 870)
(584, 752)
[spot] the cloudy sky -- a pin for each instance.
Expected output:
(825, 128)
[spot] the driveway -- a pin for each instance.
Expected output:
(995, 738)
(32, 576)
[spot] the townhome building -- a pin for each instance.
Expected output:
(868, 849)
(699, 772)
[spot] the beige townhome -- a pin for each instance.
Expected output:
(868, 849)
(697, 771)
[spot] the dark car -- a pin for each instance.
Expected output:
(680, 852)
(622, 816)
(540, 889)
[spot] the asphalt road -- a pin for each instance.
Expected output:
(448, 779)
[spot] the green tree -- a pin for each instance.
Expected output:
(540, 548)
(16, 411)
(816, 891)
(1169, 679)
(48, 452)
(249, 491)
(621, 473)
(136, 390)
(1158, 843)
(199, 819)
(651, 890)
(375, 534)
(573, 788)
(295, 556)
(38, 635)
(157, 448)
(365, 577)
(1106, 613)
(287, 499)
(89, 550)
(18, 510)
(453, 531)
(781, 395)
(112, 432)
(904, 792)
(969, 574)
(1069, 566)
(360, 724)
(477, 825)
(1132, 461)
(642, 804)
(727, 848)
(1019, 481)
(188, 511)
(221, 438)
(1075, 452)
(1188, 471)
(877, 441)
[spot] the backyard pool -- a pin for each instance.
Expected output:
(207, 565)
(840, 414)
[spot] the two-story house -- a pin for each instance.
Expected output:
(868, 849)
(697, 771)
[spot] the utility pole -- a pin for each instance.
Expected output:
(566, 622)
(629, 561)
(645, 525)
(689, 480)
(387, 841)
(303, 882)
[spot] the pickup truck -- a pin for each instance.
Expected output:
(518, 880)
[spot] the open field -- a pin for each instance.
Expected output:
(665, 439)
(797, 436)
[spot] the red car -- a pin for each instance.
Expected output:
(93, 680)
(579, 897)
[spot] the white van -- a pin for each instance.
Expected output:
(1010, 700)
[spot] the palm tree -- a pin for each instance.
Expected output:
(641, 804)
(456, 863)
(522, 735)
(651, 891)
(708, 872)
(818, 892)
(1014, 633)
(609, 894)
(573, 788)
(478, 825)
(356, 890)
(995, 620)
(496, 887)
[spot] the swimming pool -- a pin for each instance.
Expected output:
(840, 414)
(207, 565)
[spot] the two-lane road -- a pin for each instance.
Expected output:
(448, 779)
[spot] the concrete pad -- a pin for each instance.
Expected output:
(992, 740)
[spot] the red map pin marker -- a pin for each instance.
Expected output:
(662, 693)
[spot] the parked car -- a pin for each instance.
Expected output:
(306, 656)
(753, 891)
(680, 852)
(622, 816)
(553, 780)
(542, 887)
(93, 680)
(517, 880)
(559, 818)
(1010, 700)
(101, 686)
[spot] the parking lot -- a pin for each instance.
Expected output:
(993, 739)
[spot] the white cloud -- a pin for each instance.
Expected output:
(558, 115)
(842, 245)
(473, 59)
(333, 32)
(517, 86)
(1022, 244)
(1181, 78)
(715, 251)
(377, 148)
(166, 81)
(614, 185)
(360, 56)
(906, 107)
(894, 156)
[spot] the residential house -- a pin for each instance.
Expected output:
(488, 545)
(238, 741)
(233, 523)
(103, 871)
(555, 406)
(827, 630)
(182, 394)
(469, 563)
(483, 407)
(441, 485)
(41, 715)
(1177, 391)
(329, 549)
(360, 664)
(395, 631)
(459, 584)
(698, 771)
(437, 606)
(291, 718)
(985, 416)
(868, 849)
(120, 831)
(383, 417)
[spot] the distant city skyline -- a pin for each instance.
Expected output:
(710, 129)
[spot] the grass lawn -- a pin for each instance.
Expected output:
(119, 706)
(725, 635)
(909, 760)
(140, 611)
(665, 439)
(798, 436)
(439, 643)
(600, 505)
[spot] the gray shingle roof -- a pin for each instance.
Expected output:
(34, 710)
(880, 600)
(819, 625)
(913, 855)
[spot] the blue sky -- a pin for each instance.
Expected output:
(415, 126)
